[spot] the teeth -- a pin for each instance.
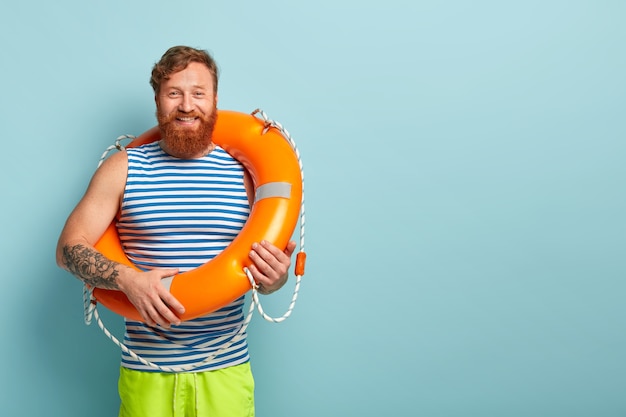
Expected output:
(186, 119)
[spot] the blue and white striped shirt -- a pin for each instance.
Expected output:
(179, 213)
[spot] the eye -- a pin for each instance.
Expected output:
(173, 94)
(199, 94)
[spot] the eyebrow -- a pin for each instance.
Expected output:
(194, 87)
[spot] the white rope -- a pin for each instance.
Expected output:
(90, 303)
(257, 302)
(238, 336)
(255, 296)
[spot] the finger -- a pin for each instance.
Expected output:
(171, 302)
(156, 308)
(259, 268)
(167, 273)
(259, 276)
(272, 250)
(272, 255)
(162, 315)
(274, 264)
(260, 255)
(149, 316)
(291, 247)
(167, 318)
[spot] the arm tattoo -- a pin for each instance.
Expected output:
(91, 266)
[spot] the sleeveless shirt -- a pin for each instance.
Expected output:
(180, 213)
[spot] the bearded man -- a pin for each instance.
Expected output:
(177, 203)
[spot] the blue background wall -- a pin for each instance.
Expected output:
(465, 166)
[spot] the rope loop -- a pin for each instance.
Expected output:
(117, 145)
(235, 338)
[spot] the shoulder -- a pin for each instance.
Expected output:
(111, 174)
(118, 162)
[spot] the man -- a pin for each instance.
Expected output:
(165, 228)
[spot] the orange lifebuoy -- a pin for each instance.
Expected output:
(276, 173)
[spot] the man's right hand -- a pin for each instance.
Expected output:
(153, 301)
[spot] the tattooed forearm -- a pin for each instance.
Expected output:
(90, 266)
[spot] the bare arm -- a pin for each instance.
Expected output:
(90, 266)
(87, 222)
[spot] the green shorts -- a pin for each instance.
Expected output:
(223, 392)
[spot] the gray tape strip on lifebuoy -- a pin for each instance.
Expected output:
(273, 189)
(167, 282)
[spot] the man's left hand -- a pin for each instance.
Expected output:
(270, 265)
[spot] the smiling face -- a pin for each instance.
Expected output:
(187, 112)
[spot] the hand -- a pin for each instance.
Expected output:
(151, 299)
(270, 265)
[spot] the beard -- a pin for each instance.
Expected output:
(187, 142)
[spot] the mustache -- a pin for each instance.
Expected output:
(175, 115)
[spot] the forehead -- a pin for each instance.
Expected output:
(195, 75)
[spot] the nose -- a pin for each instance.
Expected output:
(186, 104)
